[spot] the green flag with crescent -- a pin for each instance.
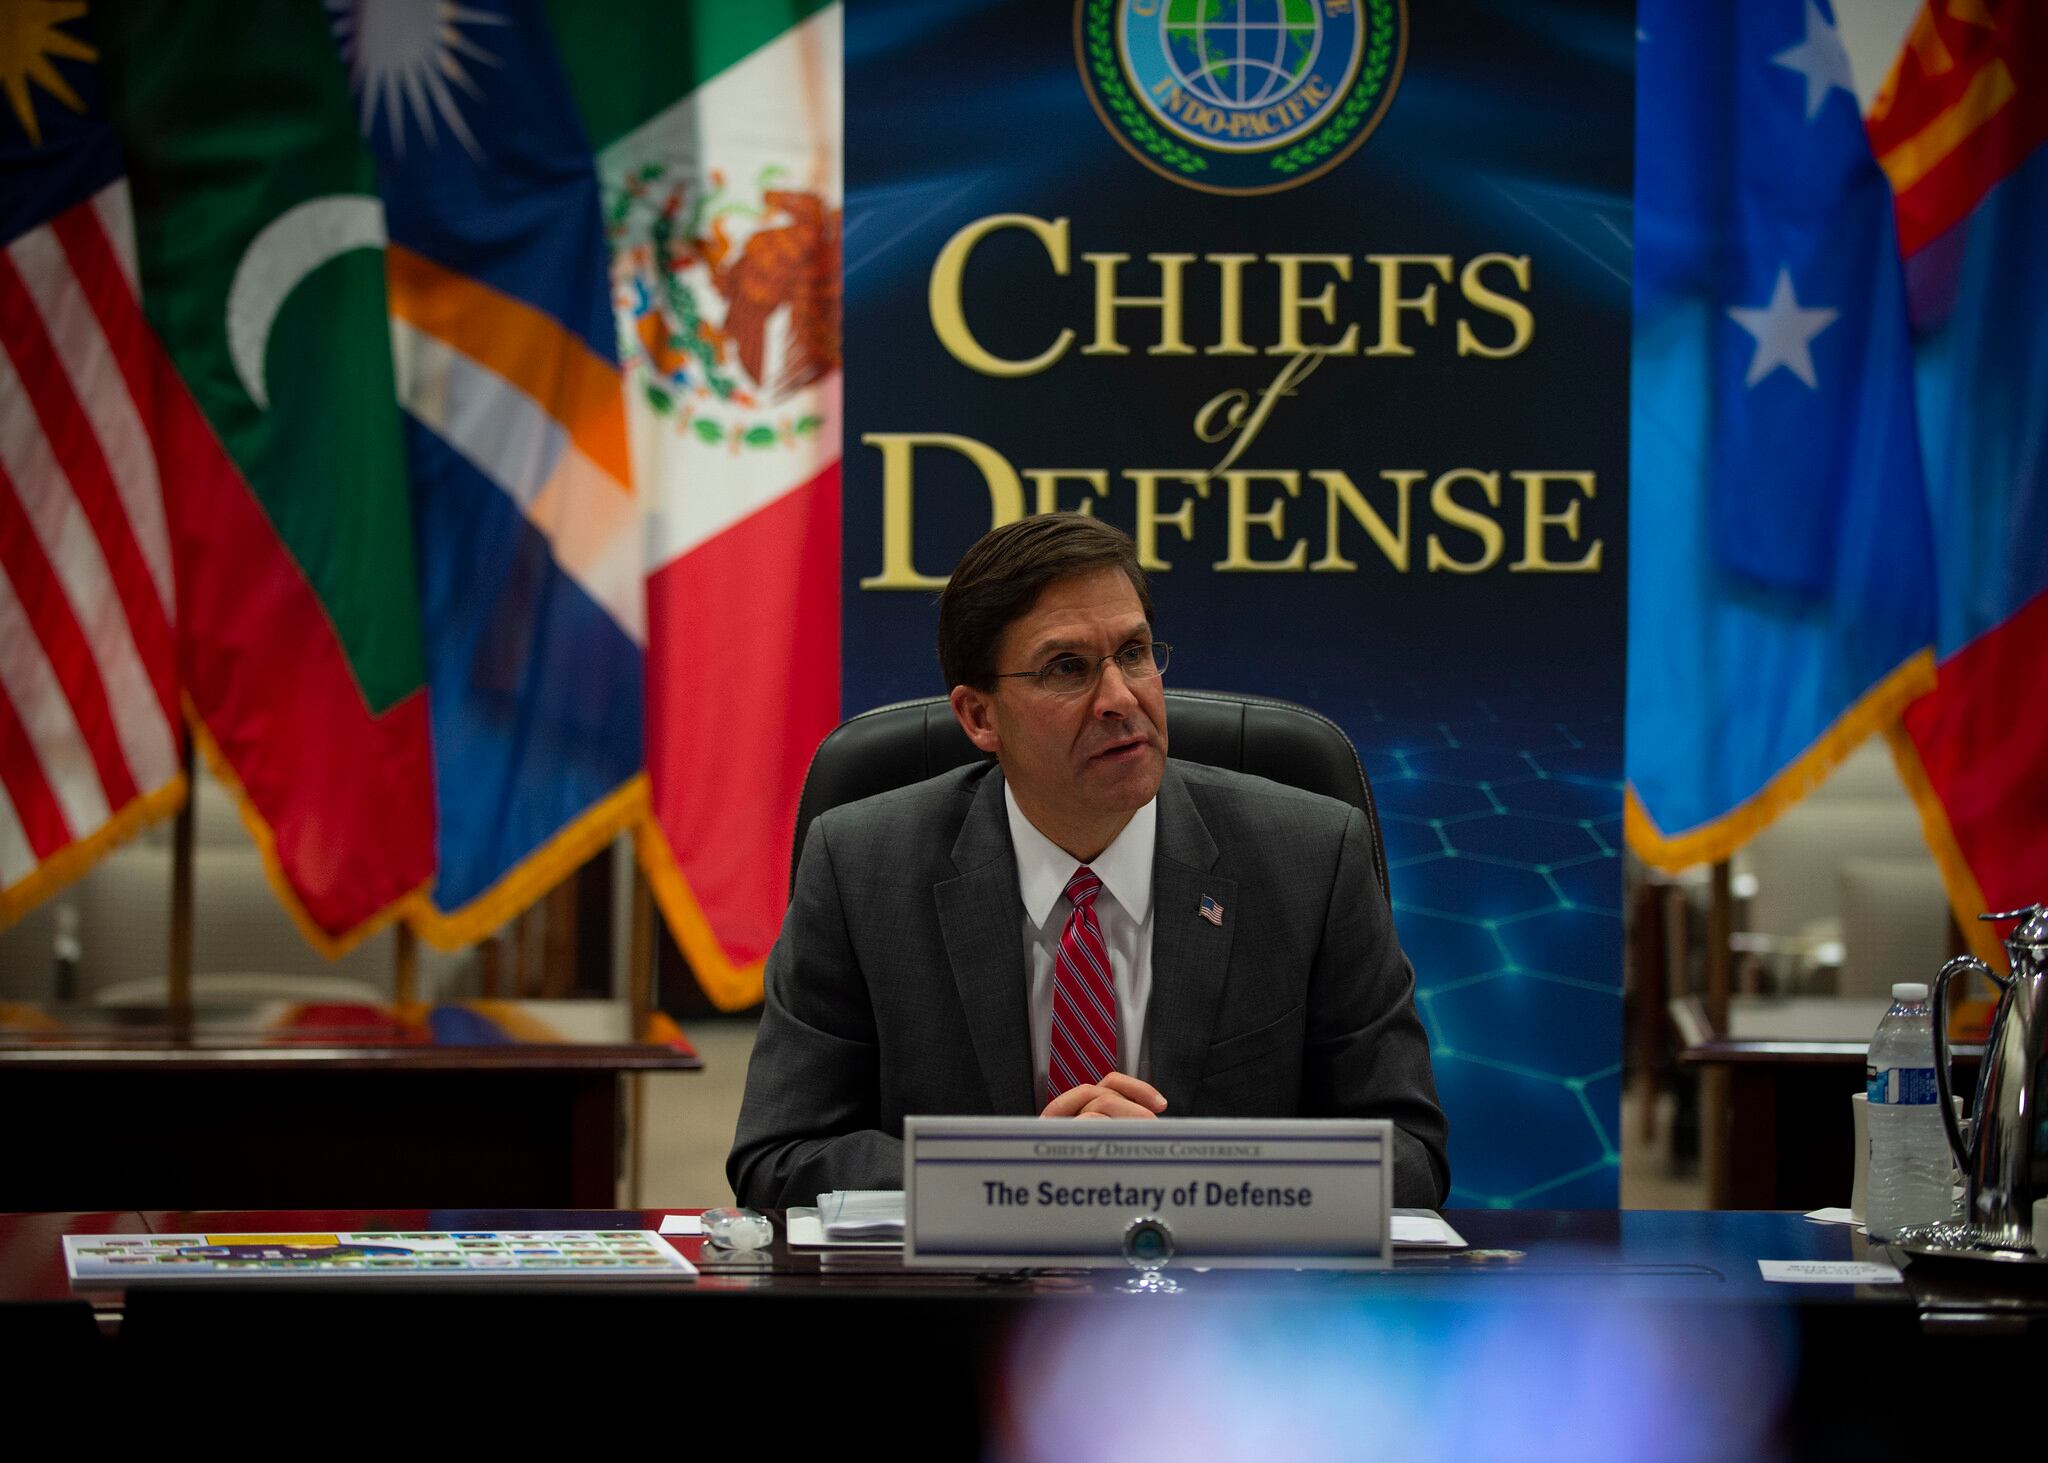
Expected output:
(260, 238)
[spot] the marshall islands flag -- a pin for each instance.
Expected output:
(523, 512)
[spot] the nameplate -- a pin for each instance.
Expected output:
(1017, 1192)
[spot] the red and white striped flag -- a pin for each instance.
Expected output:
(89, 723)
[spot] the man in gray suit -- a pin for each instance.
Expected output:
(1079, 927)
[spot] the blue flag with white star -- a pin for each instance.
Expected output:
(1780, 578)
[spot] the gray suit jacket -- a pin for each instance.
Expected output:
(899, 983)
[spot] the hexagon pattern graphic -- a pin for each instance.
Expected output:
(1503, 838)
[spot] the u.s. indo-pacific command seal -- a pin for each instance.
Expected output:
(1241, 96)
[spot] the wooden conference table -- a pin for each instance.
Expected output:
(1792, 1065)
(291, 1104)
(1635, 1321)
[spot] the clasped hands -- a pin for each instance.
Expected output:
(1115, 1096)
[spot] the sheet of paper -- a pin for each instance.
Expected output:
(804, 1232)
(1828, 1272)
(1835, 1216)
(681, 1224)
(1425, 1229)
(862, 1213)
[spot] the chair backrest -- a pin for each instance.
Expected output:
(894, 746)
(1895, 923)
(1797, 861)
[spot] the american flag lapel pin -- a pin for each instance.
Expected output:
(1211, 911)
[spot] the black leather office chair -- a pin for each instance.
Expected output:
(894, 746)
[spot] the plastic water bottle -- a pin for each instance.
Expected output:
(1909, 1157)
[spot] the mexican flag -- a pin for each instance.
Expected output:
(718, 149)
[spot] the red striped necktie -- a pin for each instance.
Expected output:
(1083, 995)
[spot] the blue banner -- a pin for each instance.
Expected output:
(1328, 305)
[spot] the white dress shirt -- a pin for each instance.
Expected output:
(1123, 909)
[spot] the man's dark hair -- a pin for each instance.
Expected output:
(1001, 577)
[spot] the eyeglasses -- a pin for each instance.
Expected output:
(1070, 675)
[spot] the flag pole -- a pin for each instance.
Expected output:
(183, 837)
(1650, 993)
(640, 958)
(405, 965)
(1714, 1080)
(639, 1010)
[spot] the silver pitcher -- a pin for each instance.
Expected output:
(2004, 1156)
